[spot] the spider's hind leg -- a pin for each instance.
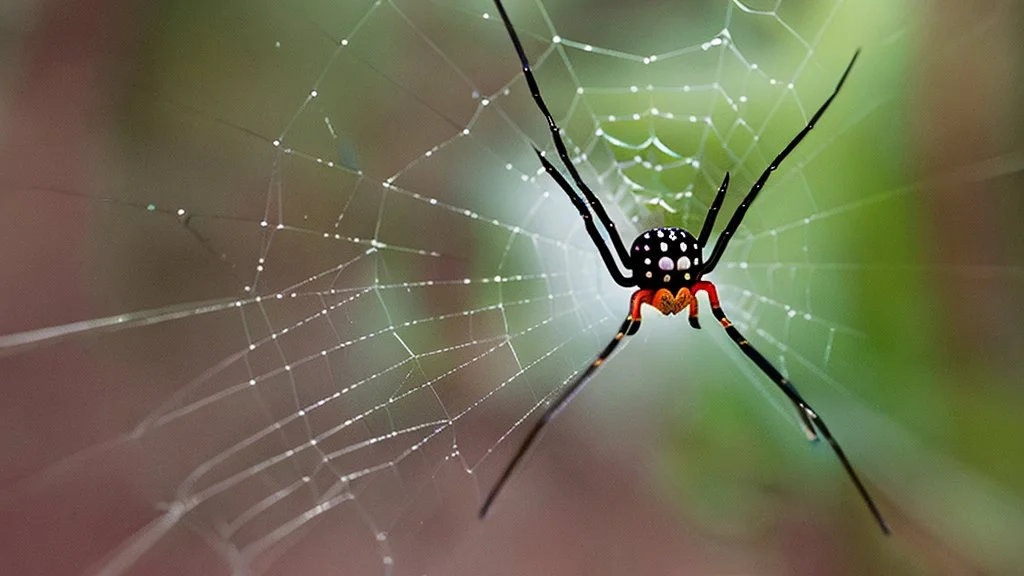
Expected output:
(633, 327)
(810, 420)
(805, 424)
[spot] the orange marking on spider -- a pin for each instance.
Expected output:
(669, 304)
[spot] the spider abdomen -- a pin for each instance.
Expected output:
(665, 258)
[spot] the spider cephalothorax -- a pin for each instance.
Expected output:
(667, 266)
(665, 258)
(666, 263)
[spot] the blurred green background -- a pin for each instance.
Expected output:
(251, 225)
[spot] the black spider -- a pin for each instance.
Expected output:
(667, 266)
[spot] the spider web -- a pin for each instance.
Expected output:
(320, 287)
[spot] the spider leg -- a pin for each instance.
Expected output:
(716, 205)
(694, 322)
(741, 210)
(811, 419)
(556, 136)
(588, 222)
(629, 326)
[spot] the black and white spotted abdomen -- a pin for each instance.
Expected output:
(665, 258)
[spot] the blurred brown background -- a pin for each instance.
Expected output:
(111, 427)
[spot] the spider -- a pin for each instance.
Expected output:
(667, 267)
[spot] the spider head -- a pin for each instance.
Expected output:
(667, 258)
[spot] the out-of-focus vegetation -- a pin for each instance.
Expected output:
(882, 269)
